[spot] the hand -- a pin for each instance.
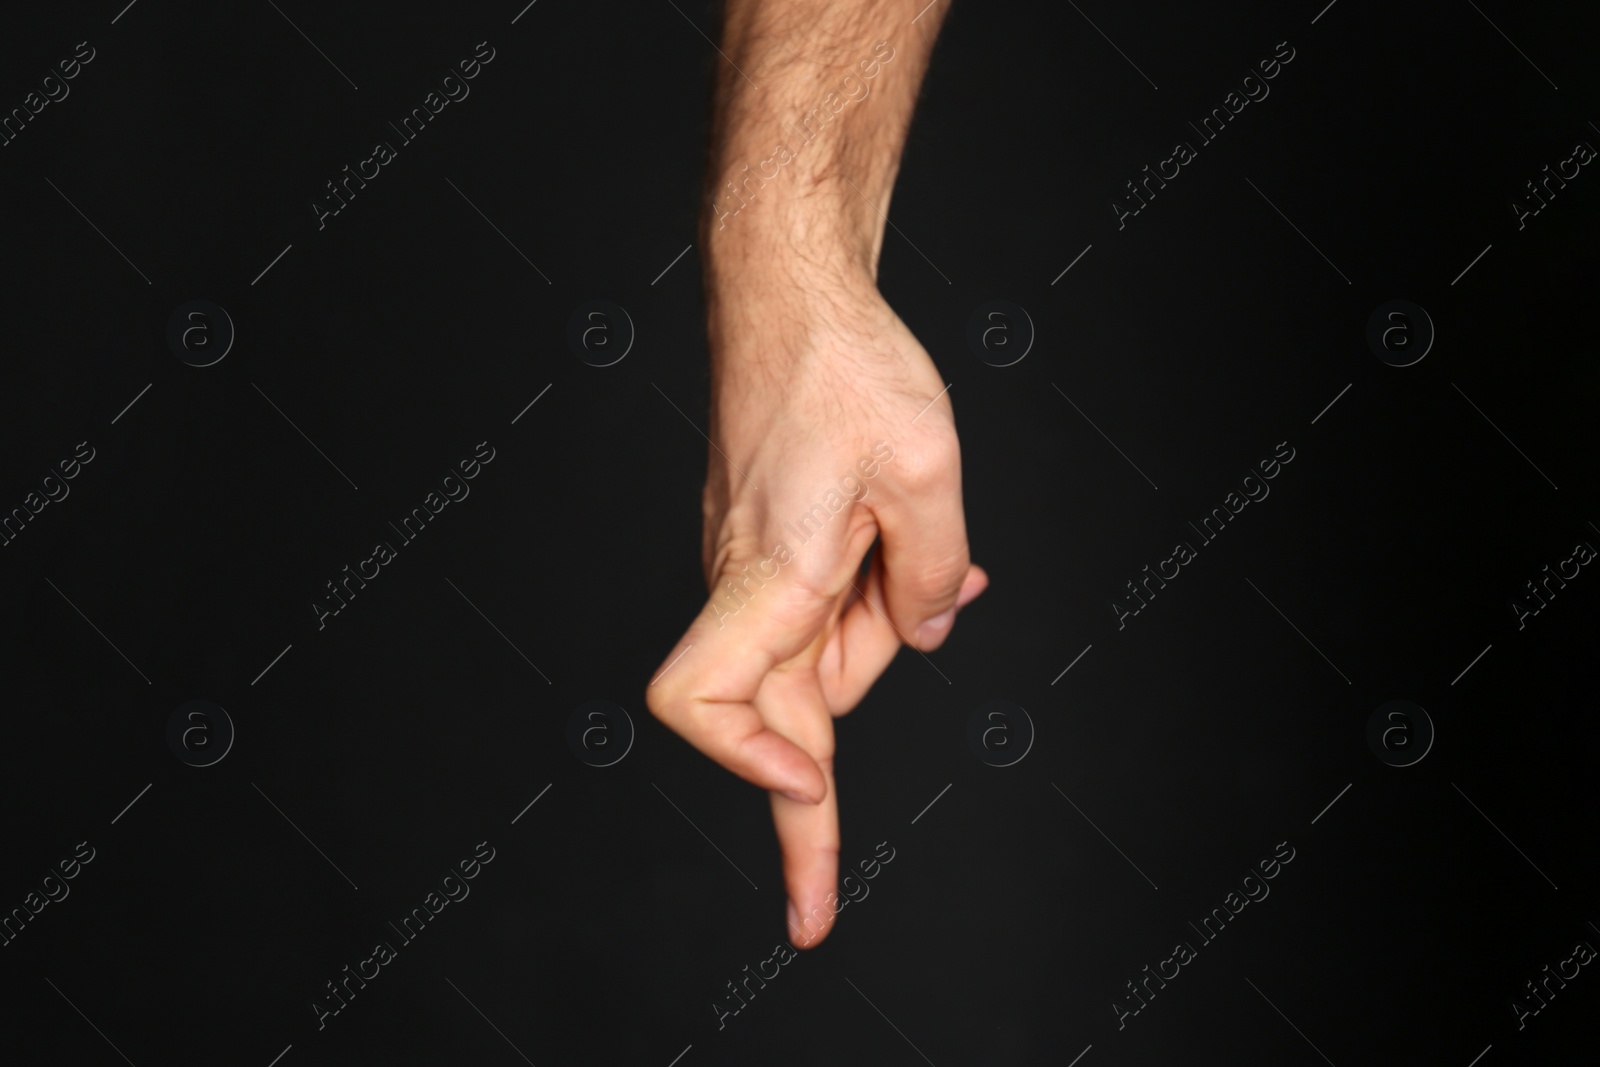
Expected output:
(831, 428)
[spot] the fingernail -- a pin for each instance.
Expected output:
(798, 798)
(936, 627)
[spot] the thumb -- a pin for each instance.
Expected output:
(926, 561)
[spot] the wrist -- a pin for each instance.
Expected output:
(795, 231)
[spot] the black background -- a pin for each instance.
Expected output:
(408, 729)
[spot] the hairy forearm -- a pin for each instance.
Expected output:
(811, 113)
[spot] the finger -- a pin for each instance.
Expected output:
(862, 645)
(809, 837)
(925, 556)
(866, 641)
(705, 688)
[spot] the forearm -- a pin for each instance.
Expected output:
(811, 113)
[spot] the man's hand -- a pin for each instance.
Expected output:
(830, 425)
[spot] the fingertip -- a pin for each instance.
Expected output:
(976, 581)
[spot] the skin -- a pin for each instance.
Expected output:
(811, 369)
